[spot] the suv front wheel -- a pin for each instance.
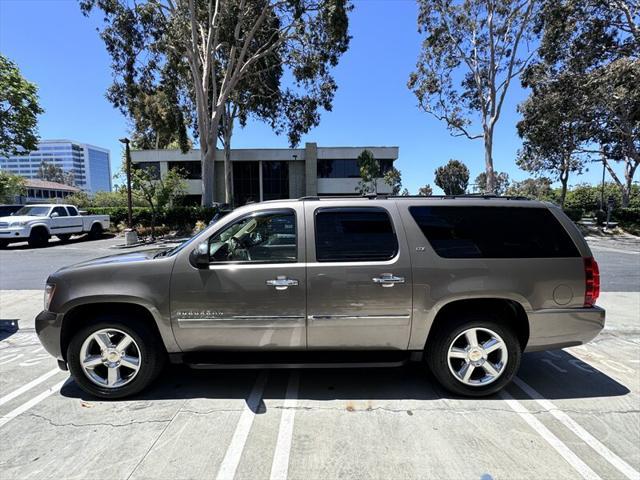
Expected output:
(476, 356)
(113, 359)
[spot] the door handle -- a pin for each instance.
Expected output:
(388, 279)
(282, 283)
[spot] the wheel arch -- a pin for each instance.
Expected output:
(81, 314)
(511, 313)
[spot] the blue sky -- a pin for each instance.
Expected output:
(60, 50)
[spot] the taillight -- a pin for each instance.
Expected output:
(592, 281)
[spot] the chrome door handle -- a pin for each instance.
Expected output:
(282, 283)
(388, 279)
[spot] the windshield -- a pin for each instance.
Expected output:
(33, 211)
(175, 250)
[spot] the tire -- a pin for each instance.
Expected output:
(64, 237)
(95, 232)
(481, 382)
(3, 244)
(151, 357)
(38, 237)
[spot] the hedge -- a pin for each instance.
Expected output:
(574, 214)
(174, 217)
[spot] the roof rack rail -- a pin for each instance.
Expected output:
(383, 196)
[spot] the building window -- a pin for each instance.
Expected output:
(191, 170)
(152, 168)
(275, 180)
(347, 168)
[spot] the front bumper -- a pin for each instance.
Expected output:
(563, 327)
(16, 233)
(48, 329)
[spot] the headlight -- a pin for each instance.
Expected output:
(48, 294)
(17, 224)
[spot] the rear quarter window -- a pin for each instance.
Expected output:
(493, 232)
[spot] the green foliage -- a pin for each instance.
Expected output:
(501, 186)
(19, 110)
(53, 173)
(587, 197)
(425, 191)
(536, 188)
(452, 178)
(574, 214)
(11, 186)
(369, 172)
(393, 178)
(180, 218)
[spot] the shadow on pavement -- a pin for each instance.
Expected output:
(413, 382)
(55, 242)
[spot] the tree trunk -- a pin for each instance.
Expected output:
(488, 161)
(227, 132)
(208, 157)
(564, 179)
(628, 182)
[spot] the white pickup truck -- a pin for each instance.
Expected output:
(37, 223)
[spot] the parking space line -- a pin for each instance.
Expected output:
(232, 457)
(27, 405)
(622, 466)
(280, 465)
(579, 466)
(28, 386)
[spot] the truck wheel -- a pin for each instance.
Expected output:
(3, 244)
(39, 237)
(112, 359)
(64, 237)
(476, 356)
(96, 231)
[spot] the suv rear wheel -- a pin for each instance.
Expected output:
(475, 356)
(113, 359)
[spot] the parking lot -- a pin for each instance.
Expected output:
(572, 413)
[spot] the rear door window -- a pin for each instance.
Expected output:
(72, 211)
(60, 211)
(493, 232)
(354, 235)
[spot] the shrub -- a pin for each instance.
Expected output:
(574, 214)
(173, 217)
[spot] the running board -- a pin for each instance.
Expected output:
(294, 360)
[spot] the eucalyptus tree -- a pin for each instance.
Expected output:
(471, 52)
(213, 45)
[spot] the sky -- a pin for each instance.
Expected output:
(60, 50)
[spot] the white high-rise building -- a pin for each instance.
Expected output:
(89, 164)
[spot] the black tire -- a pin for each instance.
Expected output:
(95, 232)
(39, 237)
(436, 354)
(152, 353)
(3, 243)
(64, 237)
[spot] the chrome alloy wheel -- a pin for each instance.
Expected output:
(110, 358)
(477, 357)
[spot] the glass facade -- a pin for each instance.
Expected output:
(275, 180)
(191, 170)
(347, 168)
(89, 166)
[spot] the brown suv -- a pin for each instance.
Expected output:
(465, 284)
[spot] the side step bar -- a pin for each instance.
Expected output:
(291, 360)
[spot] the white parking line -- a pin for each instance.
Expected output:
(28, 386)
(579, 466)
(622, 466)
(234, 451)
(280, 465)
(27, 405)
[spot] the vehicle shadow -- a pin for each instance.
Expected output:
(412, 382)
(55, 242)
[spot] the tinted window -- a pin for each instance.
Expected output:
(72, 211)
(493, 232)
(61, 211)
(354, 235)
(264, 237)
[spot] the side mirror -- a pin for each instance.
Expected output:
(199, 257)
(54, 215)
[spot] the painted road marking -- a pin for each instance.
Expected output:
(27, 405)
(280, 465)
(622, 466)
(582, 468)
(28, 386)
(232, 458)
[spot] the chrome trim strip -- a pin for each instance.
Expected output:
(244, 321)
(359, 320)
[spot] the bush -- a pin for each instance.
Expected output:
(574, 214)
(174, 217)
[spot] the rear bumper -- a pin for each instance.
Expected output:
(564, 327)
(48, 329)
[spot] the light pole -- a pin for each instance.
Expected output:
(127, 155)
